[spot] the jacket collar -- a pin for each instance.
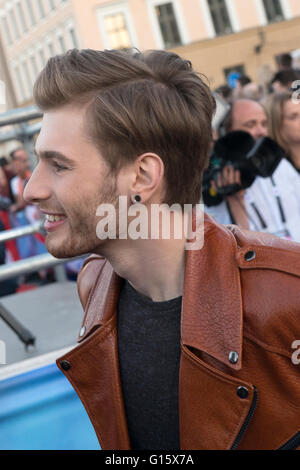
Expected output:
(212, 303)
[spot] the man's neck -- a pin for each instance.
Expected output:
(155, 268)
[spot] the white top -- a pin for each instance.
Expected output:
(263, 194)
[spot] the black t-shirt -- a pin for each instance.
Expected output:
(149, 356)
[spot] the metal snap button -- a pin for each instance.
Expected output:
(65, 365)
(242, 392)
(250, 255)
(233, 357)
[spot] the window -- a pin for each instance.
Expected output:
(6, 30)
(22, 17)
(14, 24)
(231, 73)
(117, 31)
(30, 12)
(73, 37)
(42, 57)
(116, 26)
(51, 5)
(168, 24)
(27, 78)
(41, 8)
(220, 17)
(61, 43)
(34, 66)
(51, 49)
(273, 10)
(19, 83)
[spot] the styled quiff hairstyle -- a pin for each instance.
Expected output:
(137, 103)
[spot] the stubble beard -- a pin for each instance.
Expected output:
(79, 230)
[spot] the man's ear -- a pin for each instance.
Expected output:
(148, 176)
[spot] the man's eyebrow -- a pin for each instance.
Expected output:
(51, 154)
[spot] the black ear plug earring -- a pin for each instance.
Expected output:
(136, 198)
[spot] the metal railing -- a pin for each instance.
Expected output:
(18, 232)
(25, 266)
(18, 115)
(29, 265)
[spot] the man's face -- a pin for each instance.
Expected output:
(20, 163)
(290, 129)
(249, 116)
(70, 183)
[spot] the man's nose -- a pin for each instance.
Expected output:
(37, 188)
(260, 131)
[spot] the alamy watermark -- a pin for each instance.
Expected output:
(157, 221)
(296, 94)
(296, 354)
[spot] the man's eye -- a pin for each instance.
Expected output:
(59, 167)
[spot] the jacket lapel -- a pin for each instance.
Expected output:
(212, 301)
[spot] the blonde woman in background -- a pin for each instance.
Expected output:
(284, 123)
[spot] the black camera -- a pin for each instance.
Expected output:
(252, 158)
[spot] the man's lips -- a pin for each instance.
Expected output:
(51, 213)
(50, 223)
(50, 226)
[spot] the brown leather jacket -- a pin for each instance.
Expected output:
(238, 385)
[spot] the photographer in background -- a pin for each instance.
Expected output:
(270, 204)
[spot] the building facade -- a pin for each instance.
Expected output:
(216, 35)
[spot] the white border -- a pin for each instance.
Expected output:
(123, 8)
(151, 4)
(27, 365)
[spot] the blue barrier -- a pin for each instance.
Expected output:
(39, 410)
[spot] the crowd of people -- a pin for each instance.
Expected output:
(271, 204)
(14, 213)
